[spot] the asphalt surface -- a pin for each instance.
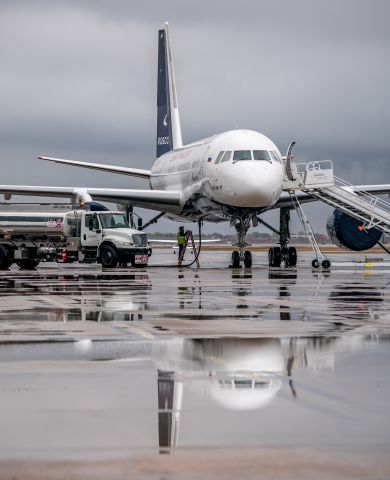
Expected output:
(196, 373)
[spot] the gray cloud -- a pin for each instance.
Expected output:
(79, 78)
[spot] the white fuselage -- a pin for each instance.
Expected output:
(197, 169)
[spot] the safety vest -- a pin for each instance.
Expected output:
(181, 239)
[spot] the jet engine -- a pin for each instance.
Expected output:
(344, 232)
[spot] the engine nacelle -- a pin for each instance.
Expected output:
(344, 232)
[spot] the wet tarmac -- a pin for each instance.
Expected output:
(182, 373)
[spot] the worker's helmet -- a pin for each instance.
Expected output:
(181, 227)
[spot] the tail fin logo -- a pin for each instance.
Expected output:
(165, 121)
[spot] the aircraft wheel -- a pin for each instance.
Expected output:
(326, 264)
(109, 257)
(5, 260)
(315, 263)
(248, 259)
(274, 257)
(235, 259)
(292, 256)
(27, 264)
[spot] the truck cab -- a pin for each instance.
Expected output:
(106, 237)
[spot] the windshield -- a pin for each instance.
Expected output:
(242, 155)
(226, 157)
(113, 220)
(275, 155)
(261, 155)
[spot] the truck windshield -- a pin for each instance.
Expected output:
(113, 220)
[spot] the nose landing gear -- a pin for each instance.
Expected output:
(242, 225)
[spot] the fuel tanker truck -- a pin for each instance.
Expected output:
(30, 234)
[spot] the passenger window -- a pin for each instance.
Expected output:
(226, 157)
(219, 157)
(242, 155)
(261, 155)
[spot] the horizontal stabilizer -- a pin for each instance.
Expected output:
(133, 172)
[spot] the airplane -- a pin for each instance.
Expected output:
(233, 176)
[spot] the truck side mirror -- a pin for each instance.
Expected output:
(139, 223)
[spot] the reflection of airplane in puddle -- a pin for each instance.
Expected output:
(289, 278)
(236, 373)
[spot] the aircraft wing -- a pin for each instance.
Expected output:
(161, 200)
(285, 201)
(133, 172)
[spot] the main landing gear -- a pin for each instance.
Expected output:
(242, 225)
(283, 253)
(277, 255)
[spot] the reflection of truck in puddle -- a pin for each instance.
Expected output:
(47, 233)
(97, 297)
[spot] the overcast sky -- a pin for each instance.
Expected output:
(78, 80)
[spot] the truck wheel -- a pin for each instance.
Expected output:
(109, 257)
(27, 264)
(5, 260)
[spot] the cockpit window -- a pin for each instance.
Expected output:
(219, 157)
(242, 155)
(226, 157)
(243, 383)
(275, 156)
(261, 155)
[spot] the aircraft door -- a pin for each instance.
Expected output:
(195, 171)
(203, 162)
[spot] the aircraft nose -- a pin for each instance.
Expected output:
(256, 184)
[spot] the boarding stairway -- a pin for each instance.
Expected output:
(317, 179)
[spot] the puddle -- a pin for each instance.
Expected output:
(167, 361)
